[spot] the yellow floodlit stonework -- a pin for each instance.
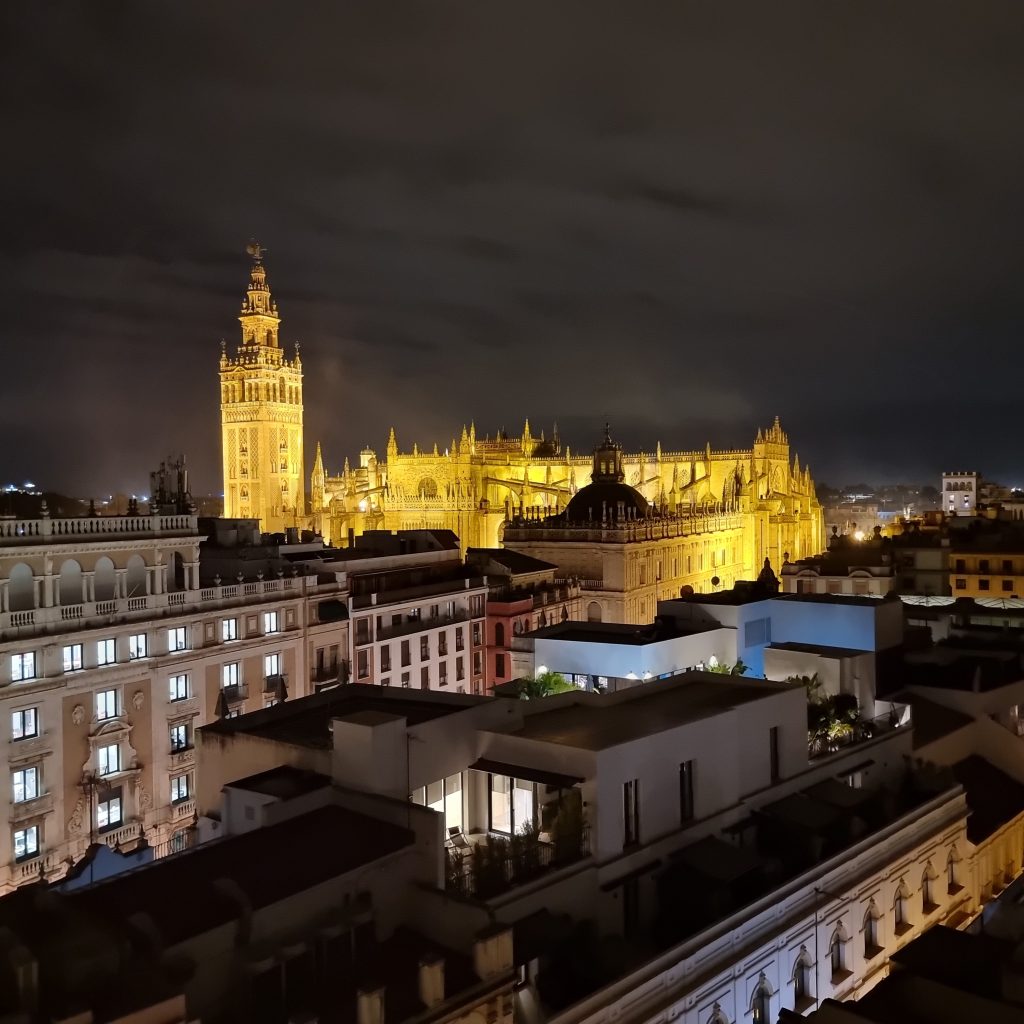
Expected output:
(261, 416)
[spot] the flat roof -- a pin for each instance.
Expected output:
(595, 722)
(822, 649)
(620, 632)
(263, 864)
(993, 796)
(283, 782)
(514, 561)
(858, 600)
(306, 721)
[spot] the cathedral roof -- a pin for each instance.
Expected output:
(606, 501)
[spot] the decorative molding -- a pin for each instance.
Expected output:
(138, 699)
(78, 714)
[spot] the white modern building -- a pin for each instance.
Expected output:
(629, 839)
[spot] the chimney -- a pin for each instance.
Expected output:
(492, 952)
(370, 1006)
(431, 980)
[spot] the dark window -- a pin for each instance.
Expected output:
(385, 659)
(961, 565)
(425, 677)
(773, 752)
(836, 955)
(961, 584)
(1007, 565)
(424, 648)
(499, 635)
(499, 665)
(630, 813)
(982, 565)
(406, 656)
(1007, 585)
(685, 792)
(983, 584)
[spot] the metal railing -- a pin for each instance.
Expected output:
(421, 624)
(497, 864)
(822, 745)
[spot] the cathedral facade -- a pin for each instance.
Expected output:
(717, 514)
(261, 416)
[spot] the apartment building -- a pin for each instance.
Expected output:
(113, 652)
(524, 594)
(417, 612)
(631, 840)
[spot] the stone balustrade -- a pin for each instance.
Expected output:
(79, 528)
(62, 618)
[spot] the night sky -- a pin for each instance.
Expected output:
(684, 221)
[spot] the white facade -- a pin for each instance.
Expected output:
(960, 493)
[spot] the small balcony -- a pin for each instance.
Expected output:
(420, 625)
(276, 686)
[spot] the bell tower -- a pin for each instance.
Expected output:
(261, 415)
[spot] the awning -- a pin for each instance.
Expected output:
(520, 771)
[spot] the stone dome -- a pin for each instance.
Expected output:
(611, 501)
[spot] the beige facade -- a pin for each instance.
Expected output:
(111, 655)
(261, 416)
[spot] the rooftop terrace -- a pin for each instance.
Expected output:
(596, 722)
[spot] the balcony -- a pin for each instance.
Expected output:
(819, 746)
(276, 686)
(185, 757)
(90, 528)
(125, 835)
(494, 865)
(183, 809)
(235, 694)
(399, 595)
(420, 625)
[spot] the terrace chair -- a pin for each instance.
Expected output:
(458, 839)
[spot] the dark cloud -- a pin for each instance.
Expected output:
(685, 219)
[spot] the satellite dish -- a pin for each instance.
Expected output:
(686, 591)
(715, 581)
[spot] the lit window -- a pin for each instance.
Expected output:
(137, 646)
(23, 666)
(106, 705)
(26, 842)
(108, 812)
(176, 639)
(72, 657)
(229, 674)
(272, 665)
(179, 737)
(25, 784)
(179, 788)
(179, 687)
(108, 759)
(270, 622)
(106, 653)
(229, 629)
(24, 724)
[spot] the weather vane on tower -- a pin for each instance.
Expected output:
(255, 250)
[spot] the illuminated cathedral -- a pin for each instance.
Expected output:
(715, 515)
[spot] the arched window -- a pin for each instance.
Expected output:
(928, 903)
(761, 1004)
(837, 954)
(593, 612)
(21, 588)
(953, 872)
(901, 908)
(135, 577)
(70, 587)
(104, 579)
(499, 634)
(802, 983)
(717, 1016)
(871, 943)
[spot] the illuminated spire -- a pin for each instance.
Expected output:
(258, 317)
(392, 444)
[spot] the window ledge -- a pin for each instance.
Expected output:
(871, 952)
(953, 889)
(838, 977)
(902, 929)
(930, 908)
(804, 1003)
